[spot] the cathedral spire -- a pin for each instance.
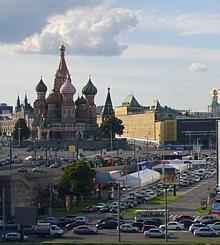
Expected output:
(62, 64)
(18, 104)
(108, 108)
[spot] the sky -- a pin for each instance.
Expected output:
(153, 49)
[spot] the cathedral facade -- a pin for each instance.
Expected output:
(58, 115)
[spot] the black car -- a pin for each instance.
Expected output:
(138, 224)
(108, 224)
(62, 222)
(186, 222)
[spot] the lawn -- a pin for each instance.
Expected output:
(156, 201)
(160, 200)
(87, 201)
(206, 211)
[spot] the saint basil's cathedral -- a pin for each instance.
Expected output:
(59, 116)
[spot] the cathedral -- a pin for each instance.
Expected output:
(58, 115)
(214, 108)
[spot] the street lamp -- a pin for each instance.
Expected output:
(166, 214)
(3, 211)
(19, 137)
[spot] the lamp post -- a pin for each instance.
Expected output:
(3, 211)
(119, 213)
(19, 137)
(166, 215)
(10, 153)
(35, 152)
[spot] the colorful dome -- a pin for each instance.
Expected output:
(52, 99)
(83, 100)
(77, 102)
(67, 87)
(41, 87)
(80, 101)
(89, 89)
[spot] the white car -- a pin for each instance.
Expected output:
(128, 228)
(205, 231)
(205, 219)
(196, 226)
(173, 226)
(100, 205)
(215, 226)
(81, 219)
(14, 236)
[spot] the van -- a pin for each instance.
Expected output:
(81, 219)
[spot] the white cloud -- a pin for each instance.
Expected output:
(85, 31)
(195, 67)
(165, 52)
(185, 24)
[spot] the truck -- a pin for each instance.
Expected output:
(48, 229)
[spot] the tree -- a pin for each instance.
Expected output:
(23, 128)
(76, 179)
(112, 126)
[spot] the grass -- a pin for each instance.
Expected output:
(160, 200)
(206, 211)
(156, 201)
(87, 201)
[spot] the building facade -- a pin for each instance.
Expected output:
(58, 115)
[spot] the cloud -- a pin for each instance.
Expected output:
(166, 52)
(186, 24)
(196, 67)
(21, 18)
(85, 31)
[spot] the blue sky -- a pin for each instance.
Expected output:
(166, 50)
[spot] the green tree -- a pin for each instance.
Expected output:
(112, 126)
(76, 179)
(23, 128)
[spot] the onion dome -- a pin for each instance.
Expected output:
(89, 88)
(83, 100)
(41, 87)
(67, 87)
(77, 102)
(52, 99)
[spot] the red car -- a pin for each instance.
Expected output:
(75, 224)
(148, 227)
(90, 209)
(182, 217)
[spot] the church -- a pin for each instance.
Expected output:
(58, 115)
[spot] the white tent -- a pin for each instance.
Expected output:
(146, 176)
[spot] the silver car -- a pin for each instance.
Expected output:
(155, 233)
(205, 231)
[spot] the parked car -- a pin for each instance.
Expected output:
(173, 226)
(108, 224)
(75, 224)
(128, 228)
(148, 227)
(85, 229)
(90, 209)
(206, 219)
(81, 218)
(196, 226)
(14, 236)
(138, 224)
(215, 226)
(155, 232)
(205, 231)
(186, 223)
(62, 222)
(100, 205)
(182, 217)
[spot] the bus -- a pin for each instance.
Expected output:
(158, 215)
